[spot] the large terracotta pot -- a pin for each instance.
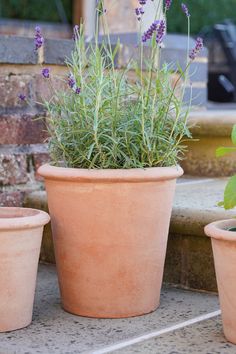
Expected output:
(224, 251)
(110, 230)
(20, 240)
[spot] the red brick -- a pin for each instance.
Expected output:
(13, 169)
(11, 199)
(11, 86)
(22, 129)
(44, 89)
(38, 160)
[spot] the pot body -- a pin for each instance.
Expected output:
(224, 251)
(20, 241)
(110, 230)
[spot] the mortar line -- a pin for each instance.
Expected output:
(155, 334)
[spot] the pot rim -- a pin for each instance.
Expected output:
(110, 175)
(218, 230)
(13, 218)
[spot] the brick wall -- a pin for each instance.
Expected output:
(23, 135)
(23, 146)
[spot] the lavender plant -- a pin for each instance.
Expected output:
(105, 120)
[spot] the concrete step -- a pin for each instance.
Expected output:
(189, 260)
(210, 129)
(183, 317)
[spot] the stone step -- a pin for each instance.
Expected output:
(211, 129)
(189, 261)
(56, 331)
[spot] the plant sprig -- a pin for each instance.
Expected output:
(107, 120)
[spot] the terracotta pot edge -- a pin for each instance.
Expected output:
(38, 219)
(110, 175)
(216, 230)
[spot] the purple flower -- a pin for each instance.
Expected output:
(22, 97)
(46, 73)
(161, 32)
(142, 2)
(38, 38)
(198, 47)
(71, 81)
(185, 9)
(77, 90)
(76, 31)
(72, 84)
(139, 12)
(168, 4)
(149, 33)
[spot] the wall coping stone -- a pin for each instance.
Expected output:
(20, 50)
(17, 50)
(212, 123)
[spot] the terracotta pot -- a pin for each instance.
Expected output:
(224, 251)
(110, 230)
(20, 239)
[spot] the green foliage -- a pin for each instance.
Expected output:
(230, 189)
(230, 194)
(204, 13)
(222, 151)
(41, 10)
(115, 122)
(233, 135)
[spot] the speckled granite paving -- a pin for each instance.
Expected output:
(205, 338)
(55, 331)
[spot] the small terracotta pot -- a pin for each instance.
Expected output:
(20, 239)
(110, 230)
(224, 251)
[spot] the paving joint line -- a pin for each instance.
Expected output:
(158, 333)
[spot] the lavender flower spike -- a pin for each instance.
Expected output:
(139, 12)
(185, 10)
(198, 47)
(46, 73)
(168, 5)
(76, 32)
(21, 97)
(38, 38)
(77, 90)
(149, 33)
(71, 81)
(142, 2)
(161, 32)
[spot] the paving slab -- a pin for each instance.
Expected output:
(205, 338)
(56, 331)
